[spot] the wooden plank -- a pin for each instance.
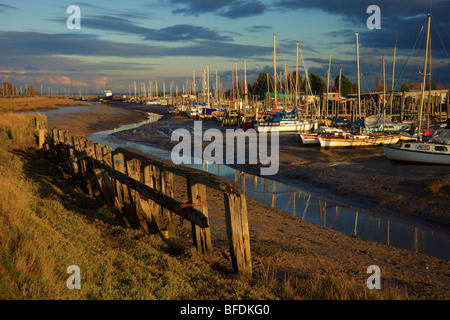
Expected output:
(238, 233)
(199, 176)
(201, 236)
(166, 187)
(41, 138)
(107, 156)
(142, 207)
(121, 191)
(149, 174)
(173, 205)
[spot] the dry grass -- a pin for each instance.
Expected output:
(15, 104)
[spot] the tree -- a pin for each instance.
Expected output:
(318, 85)
(346, 85)
(300, 82)
(259, 87)
(433, 85)
(404, 87)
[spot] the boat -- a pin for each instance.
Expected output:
(206, 112)
(419, 153)
(284, 122)
(348, 139)
(107, 94)
(312, 138)
(380, 123)
(436, 150)
(193, 112)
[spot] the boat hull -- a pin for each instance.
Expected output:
(283, 126)
(308, 139)
(342, 142)
(398, 154)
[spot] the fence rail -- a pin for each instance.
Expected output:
(139, 190)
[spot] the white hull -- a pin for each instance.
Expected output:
(312, 138)
(413, 155)
(284, 126)
(327, 141)
(308, 138)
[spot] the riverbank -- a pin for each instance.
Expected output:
(285, 245)
(20, 103)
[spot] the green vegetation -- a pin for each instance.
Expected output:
(47, 225)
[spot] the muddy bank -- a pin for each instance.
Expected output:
(99, 117)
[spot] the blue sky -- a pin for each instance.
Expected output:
(127, 41)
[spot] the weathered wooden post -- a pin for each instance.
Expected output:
(41, 138)
(133, 210)
(201, 236)
(238, 233)
(166, 187)
(122, 196)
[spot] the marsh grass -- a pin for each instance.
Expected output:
(15, 104)
(46, 225)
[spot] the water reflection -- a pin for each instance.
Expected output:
(304, 206)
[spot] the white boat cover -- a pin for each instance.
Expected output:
(375, 121)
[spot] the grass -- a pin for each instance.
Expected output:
(15, 104)
(47, 225)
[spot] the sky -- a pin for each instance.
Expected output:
(165, 41)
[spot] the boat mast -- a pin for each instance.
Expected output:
(275, 69)
(424, 79)
(245, 85)
(429, 88)
(297, 96)
(357, 64)
(207, 84)
(325, 108)
(393, 74)
(384, 95)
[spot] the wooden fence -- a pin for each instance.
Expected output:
(139, 191)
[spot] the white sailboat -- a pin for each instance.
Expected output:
(107, 94)
(312, 138)
(282, 121)
(437, 150)
(348, 139)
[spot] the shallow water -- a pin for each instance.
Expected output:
(305, 206)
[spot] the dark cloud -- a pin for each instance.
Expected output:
(244, 9)
(4, 8)
(43, 44)
(197, 7)
(181, 32)
(232, 9)
(258, 28)
(185, 32)
(397, 17)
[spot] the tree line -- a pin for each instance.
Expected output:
(265, 83)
